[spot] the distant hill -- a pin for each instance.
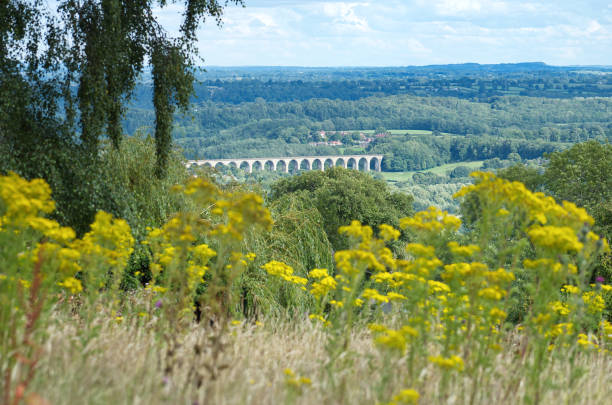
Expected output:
(472, 81)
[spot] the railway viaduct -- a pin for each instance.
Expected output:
(286, 164)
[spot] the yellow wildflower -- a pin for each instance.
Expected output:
(392, 339)
(420, 250)
(570, 289)
(370, 293)
(388, 233)
(406, 397)
(595, 302)
(492, 293)
(554, 237)
(467, 251)
(393, 296)
(450, 363)
(318, 273)
(560, 308)
(72, 284)
(323, 286)
(284, 271)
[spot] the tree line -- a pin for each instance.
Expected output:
(237, 86)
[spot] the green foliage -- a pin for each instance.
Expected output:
(103, 50)
(172, 81)
(529, 176)
(460, 171)
(483, 83)
(437, 195)
(342, 195)
(135, 194)
(298, 235)
(428, 178)
(79, 184)
(298, 239)
(581, 174)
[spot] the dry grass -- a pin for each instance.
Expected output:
(109, 363)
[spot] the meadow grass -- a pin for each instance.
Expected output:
(105, 362)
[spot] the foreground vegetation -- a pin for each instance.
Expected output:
(233, 299)
(124, 279)
(120, 363)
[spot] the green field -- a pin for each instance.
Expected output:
(439, 170)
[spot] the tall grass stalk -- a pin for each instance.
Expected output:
(120, 365)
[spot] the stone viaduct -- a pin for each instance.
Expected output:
(286, 164)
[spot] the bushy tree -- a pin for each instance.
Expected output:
(342, 195)
(529, 176)
(581, 174)
(460, 171)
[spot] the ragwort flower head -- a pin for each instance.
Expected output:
(562, 239)
(23, 200)
(357, 231)
(431, 220)
(284, 271)
(406, 397)
(388, 233)
(447, 363)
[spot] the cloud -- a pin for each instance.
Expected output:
(401, 32)
(343, 15)
(453, 7)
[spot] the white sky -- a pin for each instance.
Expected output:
(407, 32)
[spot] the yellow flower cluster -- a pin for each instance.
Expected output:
(100, 254)
(447, 363)
(570, 289)
(405, 397)
(388, 233)
(373, 294)
(561, 238)
(419, 250)
(324, 283)
(24, 201)
(458, 304)
(560, 308)
(233, 213)
(352, 262)
(393, 339)
(553, 227)
(465, 251)
(433, 220)
(278, 269)
(110, 238)
(594, 301)
(294, 381)
(180, 262)
(513, 197)
(236, 212)
(71, 284)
